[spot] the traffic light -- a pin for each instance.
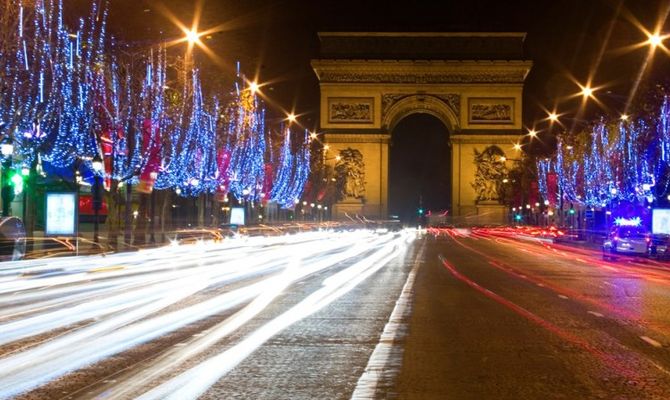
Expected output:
(17, 182)
(420, 211)
(572, 211)
(517, 217)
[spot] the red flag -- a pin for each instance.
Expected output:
(151, 146)
(552, 188)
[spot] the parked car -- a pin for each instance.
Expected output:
(660, 246)
(627, 240)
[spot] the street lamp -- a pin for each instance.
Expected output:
(192, 36)
(96, 189)
(655, 40)
(587, 91)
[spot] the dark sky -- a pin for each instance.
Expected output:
(278, 39)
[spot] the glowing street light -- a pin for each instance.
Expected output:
(291, 118)
(517, 146)
(655, 40)
(532, 133)
(313, 135)
(587, 91)
(96, 164)
(192, 36)
(253, 87)
(553, 117)
(624, 117)
(7, 148)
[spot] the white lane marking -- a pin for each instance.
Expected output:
(386, 359)
(651, 341)
(562, 296)
(597, 314)
(182, 344)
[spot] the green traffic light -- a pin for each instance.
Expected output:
(17, 182)
(572, 211)
(420, 211)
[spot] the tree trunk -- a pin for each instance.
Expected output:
(166, 206)
(128, 233)
(113, 221)
(141, 225)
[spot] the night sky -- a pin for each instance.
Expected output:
(568, 41)
(276, 39)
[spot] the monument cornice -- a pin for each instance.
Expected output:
(420, 71)
(485, 138)
(332, 137)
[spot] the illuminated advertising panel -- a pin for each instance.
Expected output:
(61, 214)
(237, 216)
(660, 222)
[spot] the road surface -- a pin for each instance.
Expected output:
(452, 314)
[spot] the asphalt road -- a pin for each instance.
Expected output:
(499, 318)
(452, 315)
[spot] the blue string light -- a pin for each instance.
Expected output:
(623, 162)
(70, 97)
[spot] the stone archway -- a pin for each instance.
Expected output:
(419, 167)
(472, 82)
(397, 107)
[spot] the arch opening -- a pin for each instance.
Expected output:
(420, 168)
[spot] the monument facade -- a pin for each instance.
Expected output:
(471, 82)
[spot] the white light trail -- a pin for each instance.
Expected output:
(108, 312)
(195, 381)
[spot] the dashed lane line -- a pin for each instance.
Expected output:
(386, 359)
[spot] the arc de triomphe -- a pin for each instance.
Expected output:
(472, 82)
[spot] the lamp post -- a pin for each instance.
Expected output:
(97, 166)
(7, 192)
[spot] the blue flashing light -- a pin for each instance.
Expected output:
(620, 221)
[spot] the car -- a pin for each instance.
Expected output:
(626, 240)
(660, 246)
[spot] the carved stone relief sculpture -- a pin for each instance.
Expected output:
(350, 110)
(453, 100)
(491, 110)
(350, 174)
(491, 171)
